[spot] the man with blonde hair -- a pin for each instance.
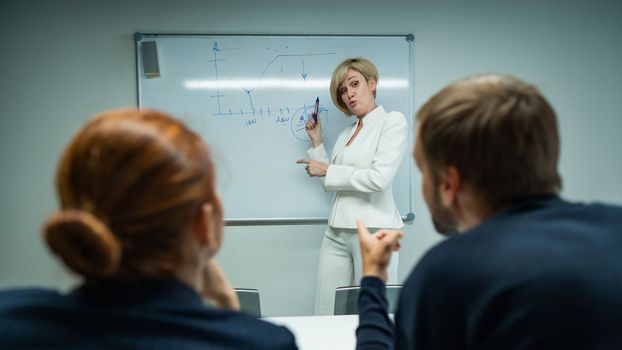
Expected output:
(523, 268)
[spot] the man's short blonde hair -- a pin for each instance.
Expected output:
(498, 131)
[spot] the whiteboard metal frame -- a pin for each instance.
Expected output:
(408, 218)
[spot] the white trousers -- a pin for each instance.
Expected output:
(340, 265)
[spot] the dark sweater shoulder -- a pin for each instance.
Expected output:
(537, 235)
(542, 267)
(173, 317)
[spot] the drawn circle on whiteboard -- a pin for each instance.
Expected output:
(300, 117)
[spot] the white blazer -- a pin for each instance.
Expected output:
(363, 181)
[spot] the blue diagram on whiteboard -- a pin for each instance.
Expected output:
(300, 118)
(249, 108)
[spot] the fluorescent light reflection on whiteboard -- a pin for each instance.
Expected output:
(252, 84)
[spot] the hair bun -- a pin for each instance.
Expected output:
(84, 243)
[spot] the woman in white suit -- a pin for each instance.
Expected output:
(360, 170)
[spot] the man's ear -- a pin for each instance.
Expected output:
(449, 186)
(205, 228)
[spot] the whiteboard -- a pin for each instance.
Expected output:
(249, 96)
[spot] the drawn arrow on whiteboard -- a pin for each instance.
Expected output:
(304, 75)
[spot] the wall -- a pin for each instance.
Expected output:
(63, 61)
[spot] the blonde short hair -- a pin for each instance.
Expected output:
(361, 65)
(489, 127)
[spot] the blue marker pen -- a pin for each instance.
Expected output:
(317, 105)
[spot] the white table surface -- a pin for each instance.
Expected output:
(321, 332)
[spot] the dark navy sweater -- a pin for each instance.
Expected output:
(544, 274)
(154, 314)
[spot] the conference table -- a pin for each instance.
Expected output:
(321, 332)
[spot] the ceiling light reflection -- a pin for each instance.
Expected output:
(252, 84)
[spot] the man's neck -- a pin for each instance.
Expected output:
(473, 211)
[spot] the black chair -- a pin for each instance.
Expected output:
(249, 301)
(346, 299)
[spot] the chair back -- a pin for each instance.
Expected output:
(346, 299)
(249, 301)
